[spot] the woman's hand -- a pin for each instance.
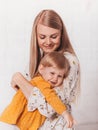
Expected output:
(70, 121)
(14, 81)
(19, 82)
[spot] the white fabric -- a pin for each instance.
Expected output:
(56, 124)
(37, 101)
(5, 126)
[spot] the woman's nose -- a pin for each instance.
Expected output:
(48, 41)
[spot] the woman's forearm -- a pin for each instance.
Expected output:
(25, 86)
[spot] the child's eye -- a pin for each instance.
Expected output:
(60, 76)
(52, 73)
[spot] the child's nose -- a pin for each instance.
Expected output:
(55, 78)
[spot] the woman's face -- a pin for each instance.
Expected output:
(48, 38)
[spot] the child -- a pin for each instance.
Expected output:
(53, 68)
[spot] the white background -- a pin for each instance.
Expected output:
(81, 20)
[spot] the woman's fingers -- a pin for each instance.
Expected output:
(14, 86)
(75, 122)
(70, 124)
(67, 124)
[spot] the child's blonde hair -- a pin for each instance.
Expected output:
(56, 59)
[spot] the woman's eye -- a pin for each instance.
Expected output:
(54, 37)
(42, 37)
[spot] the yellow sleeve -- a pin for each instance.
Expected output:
(50, 95)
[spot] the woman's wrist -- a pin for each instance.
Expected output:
(65, 113)
(23, 84)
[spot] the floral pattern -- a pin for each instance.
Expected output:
(68, 94)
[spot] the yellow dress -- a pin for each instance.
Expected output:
(17, 112)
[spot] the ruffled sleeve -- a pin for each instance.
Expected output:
(37, 101)
(71, 86)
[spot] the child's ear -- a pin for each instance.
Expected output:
(40, 68)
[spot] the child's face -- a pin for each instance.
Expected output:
(53, 75)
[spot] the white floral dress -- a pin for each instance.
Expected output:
(67, 94)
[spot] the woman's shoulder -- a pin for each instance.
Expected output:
(72, 58)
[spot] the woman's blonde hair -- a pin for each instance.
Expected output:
(56, 59)
(51, 19)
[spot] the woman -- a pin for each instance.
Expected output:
(49, 34)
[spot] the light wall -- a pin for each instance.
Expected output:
(81, 20)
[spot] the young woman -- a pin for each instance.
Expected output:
(49, 34)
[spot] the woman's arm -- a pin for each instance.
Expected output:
(19, 82)
(72, 82)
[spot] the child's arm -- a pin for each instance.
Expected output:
(52, 98)
(50, 95)
(37, 101)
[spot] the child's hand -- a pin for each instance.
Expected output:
(70, 121)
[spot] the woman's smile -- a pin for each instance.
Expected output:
(48, 38)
